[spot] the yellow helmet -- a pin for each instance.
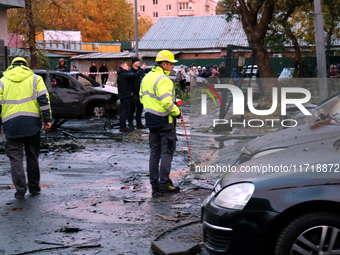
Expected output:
(165, 55)
(21, 60)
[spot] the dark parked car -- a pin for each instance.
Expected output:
(71, 98)
(292, 209)
(288, 138)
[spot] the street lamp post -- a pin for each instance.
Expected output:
(136, 28)
(320, 50)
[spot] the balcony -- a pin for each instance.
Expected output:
(187, 12)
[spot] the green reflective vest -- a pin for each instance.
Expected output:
(17, 95)
(157, 94)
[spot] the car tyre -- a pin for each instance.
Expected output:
(313, 233)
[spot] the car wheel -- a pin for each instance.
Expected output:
(99, 112)
(314, 233)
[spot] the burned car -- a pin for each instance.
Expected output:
(327, 108)
(283, 203)
(70, 98)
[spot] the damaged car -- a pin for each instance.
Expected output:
(327, 108)
(283, 203)
(74, 95)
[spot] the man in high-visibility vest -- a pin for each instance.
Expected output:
(24, 100)
(157, 94)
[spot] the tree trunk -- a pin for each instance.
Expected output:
(298, 61)
(256, 31)
(31, 34)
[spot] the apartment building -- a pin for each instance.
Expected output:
(175, 8)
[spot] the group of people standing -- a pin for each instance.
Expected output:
(194, 71)
(212, 71)
(102, 70)
(129, 80)
(153, 93)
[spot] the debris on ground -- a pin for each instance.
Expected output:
(63, 147)
(175, 248)
(68, 229)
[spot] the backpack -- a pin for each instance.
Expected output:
(179, 75)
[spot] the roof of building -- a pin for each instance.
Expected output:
(193, 32)
(13, 52)
(100, 55)
(12, 3)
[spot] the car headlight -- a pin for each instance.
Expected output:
(262, 153)
(235, 196)
(216, 189)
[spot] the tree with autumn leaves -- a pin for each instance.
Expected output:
(268, 23)
(98, 21)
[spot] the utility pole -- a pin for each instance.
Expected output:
(136, 28)
(320, 50)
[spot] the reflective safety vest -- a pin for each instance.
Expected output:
(21, 100)
(157, 94)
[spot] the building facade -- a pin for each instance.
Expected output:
(175, 8)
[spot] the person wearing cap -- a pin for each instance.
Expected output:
(136, 105)
(24, 101)
(157, 94)
(61, 66)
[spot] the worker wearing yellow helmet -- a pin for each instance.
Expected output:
(157, 94)
(24, 101)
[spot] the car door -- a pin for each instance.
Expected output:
(66, 96)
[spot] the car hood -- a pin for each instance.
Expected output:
(293, 136)
(299, 162)
(106, 88)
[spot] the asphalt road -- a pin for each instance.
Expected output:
(96, 197)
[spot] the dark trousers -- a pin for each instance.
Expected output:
(104, 78)
(136, 106)
(162, 146)
(14, 150)
(125, 105)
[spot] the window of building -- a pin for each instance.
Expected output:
(168, 8)
(184, 6)
(155, 2)
(155, 14)
(142, 8)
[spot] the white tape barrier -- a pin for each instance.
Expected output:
(99, 73)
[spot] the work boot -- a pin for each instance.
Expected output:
(34, 191)
(19, 195)
(124, 130)
(155, 187)
(170, 189)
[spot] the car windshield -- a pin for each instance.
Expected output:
(84, 79)
(330, 107)
(287, 73)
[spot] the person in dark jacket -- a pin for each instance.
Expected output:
(125, 93)
(136, 105)
(93, 70)
(61, 66)
(222, 70)
(105, 76)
